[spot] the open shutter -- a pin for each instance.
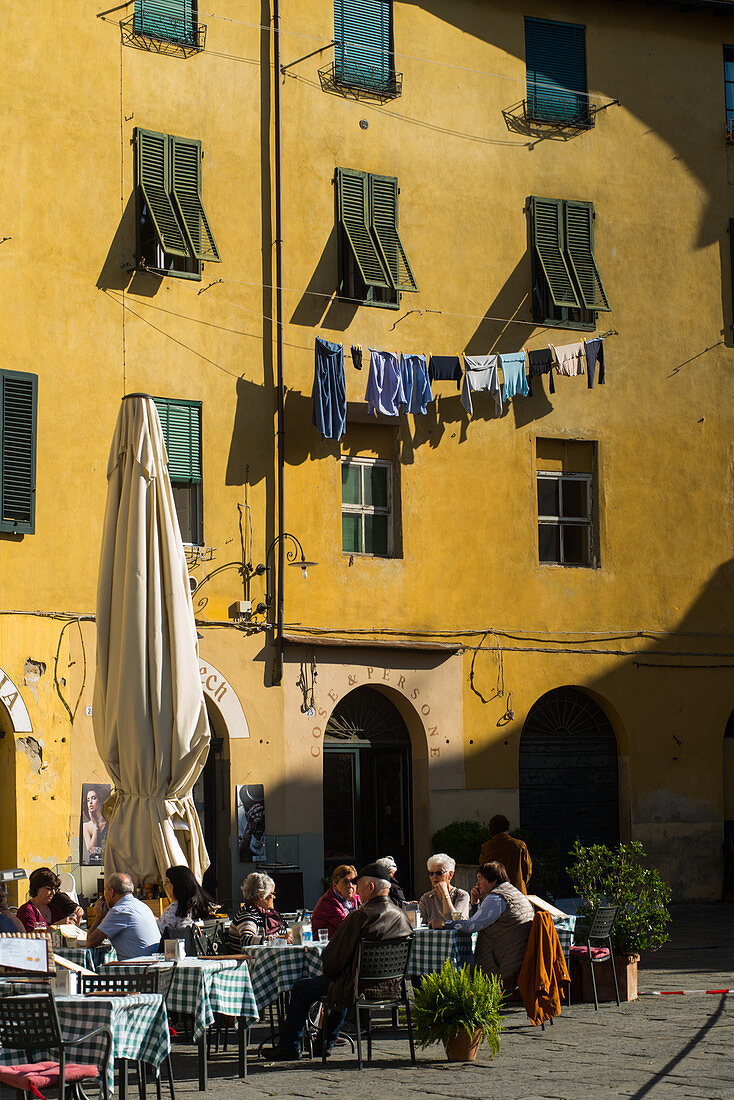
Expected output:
(547, 228)
(153, 171)
(580, 251)
(186, 191)
(363, 34)
(181, 423)
(384, 219)
(172, 20)
(18, 407)
(353, 208)
(555, 59)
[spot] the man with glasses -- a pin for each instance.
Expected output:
(443, 901)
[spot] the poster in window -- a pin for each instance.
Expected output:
(94, 826)
(251, 823)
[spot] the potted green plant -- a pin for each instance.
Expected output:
(619, 876)
(458, 1008)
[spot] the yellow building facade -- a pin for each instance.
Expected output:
(527, 613)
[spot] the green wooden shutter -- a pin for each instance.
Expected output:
(18, 413)
(353, 209)
(547, 231)
(172, 20)
(186, 191)
(153, 171)
(181, 423)
(383, 193)
(580, 251)
(363, 34)
(555, 59)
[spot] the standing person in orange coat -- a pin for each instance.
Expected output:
(503, 848)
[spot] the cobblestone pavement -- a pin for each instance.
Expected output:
(657, 1047)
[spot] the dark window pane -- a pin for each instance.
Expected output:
(187, 499)
(375, 535)
(375, 486)
(575, 545)
(575, 499)
(351, 543)
(339, 807)
(548, 496)
(549, 543)
(351, 483)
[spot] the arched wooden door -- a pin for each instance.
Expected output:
(368, 804)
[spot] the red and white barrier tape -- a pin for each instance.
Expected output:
(682, 992)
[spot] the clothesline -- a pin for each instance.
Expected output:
(402, 382)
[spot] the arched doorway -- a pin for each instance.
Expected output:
(368, 803)
(212, 801)
(568, 773)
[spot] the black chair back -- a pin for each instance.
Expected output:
(29, 1022)
(602, 922)
(192, 939)
(384, 960)
(156, 979)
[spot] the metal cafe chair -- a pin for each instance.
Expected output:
(31, 1023)
(600, 929)
(380, 961)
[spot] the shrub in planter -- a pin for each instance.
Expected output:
(462, 840)
(618, 876)
(459, 1009)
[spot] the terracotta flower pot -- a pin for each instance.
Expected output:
(463, 1047)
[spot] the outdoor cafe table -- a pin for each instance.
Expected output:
(89, 957)
(275, 969)
(139, 1026)
(432, 947)
(200, 988)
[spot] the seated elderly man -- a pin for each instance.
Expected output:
(444, 901)
(128, 923)
(377, 919)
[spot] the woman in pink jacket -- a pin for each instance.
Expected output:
(338, 902)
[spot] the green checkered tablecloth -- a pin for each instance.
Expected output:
(91, 958)
(275, 969)
(202, 987)
(139, 1026)
(432, 947)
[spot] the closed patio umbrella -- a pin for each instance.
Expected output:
(149, 715)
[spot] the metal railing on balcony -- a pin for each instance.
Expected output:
(551, 104)
(153, 27)
(359, 79)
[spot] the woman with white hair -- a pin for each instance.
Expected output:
(443, 902)
(396, 895)
(257, 920)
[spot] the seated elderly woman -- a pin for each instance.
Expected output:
(444, 901)
(502, 916)
(338, 902)
(256, 920)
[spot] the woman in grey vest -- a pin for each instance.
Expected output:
(502, 916)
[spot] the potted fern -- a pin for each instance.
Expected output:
(458, 1008)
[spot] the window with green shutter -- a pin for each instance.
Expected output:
(555, 60)
(169, 20)
(174, 234)
(363, 36)
(567, 287)
(181, 424)
(18, 413)
(373, 264)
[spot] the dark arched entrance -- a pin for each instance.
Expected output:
(367, 784)
(568, 774)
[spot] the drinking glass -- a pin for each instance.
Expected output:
(323, 935)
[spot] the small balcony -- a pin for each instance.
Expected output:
(730, 131)
(358, 80)
(153, 28)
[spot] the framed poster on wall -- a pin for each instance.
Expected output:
(93, 831)
(251, 822)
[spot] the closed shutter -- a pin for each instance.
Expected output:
(181, 423)
(172, 20)
(186, 191)
(580, 252)
(363, 34)
(18, 408)
(153, 171)
(547, 231)
(353, 209)
(555, 59)
(384, 219)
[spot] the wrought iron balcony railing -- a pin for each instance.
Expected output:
(152, 27)
(359, 80)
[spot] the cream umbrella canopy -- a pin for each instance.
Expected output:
(149, 715)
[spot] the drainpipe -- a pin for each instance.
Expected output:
(280, 416)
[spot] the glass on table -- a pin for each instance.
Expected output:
(323, 935)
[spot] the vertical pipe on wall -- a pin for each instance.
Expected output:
(280, 416)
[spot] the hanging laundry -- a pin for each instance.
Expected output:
(329, 390)
(570, 359)
(481, 376)
(513, 369)
(385, 392)
(541, 362)
(357, 356)
(416, 386)
(445, 368)
(595, 356)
